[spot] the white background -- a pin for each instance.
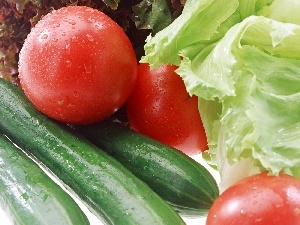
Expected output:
(95, 221)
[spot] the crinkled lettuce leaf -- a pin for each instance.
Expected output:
(249, 91)
(245, 69)
(283, 10)
(200, 24)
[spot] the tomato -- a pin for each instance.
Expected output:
(160, 107)
(260, 199)
(77, 65)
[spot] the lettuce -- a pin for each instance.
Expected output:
(247, 82)
(200, 24)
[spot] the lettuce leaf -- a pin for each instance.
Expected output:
(200, 24)
(246, 74)
(248, 88)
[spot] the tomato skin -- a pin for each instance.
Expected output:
(77, 65)
(260, 199)
(161, 108)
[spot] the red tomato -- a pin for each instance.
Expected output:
(77, 65)
(258, 200)
(161, 108)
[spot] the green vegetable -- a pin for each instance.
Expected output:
(29, 196)
(185, 184)
(201, 24)
(247, 83)
(108, 188)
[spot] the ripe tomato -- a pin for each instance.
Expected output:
(258, 200)
(77, 65)
(161, 108)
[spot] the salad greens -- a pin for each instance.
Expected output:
(242, 60)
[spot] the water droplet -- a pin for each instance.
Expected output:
(44, 36)
(90, 37)
(70, 21)
(91, 20)
(89, 10)
(68, 63)
(76, 94)
(258, 219)
(56, 25)
(63, 34)
(68, 48)
(98, 25)
(74, 38)
(87, 68)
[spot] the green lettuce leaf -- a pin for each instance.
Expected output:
(283, 10)
(248, 88)
(200, 24)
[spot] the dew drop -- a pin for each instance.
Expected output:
(98, 25)
(44, 36)
(87, 68)
(56, 25)
(74, 38)
(91, 20)
(68, 63)
(89, 10)
(70, 21)
(90, 37)
(68, 48)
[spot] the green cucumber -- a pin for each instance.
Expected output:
(187, 185)
(29, 196)
(110, 190)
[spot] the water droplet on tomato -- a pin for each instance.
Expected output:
(90, 37)
(68, 63)
(44, 36)
(70, 21)
(89, 10)
(56, 25)
(87, 68)
(74, 39)
(98, 25)
(68, 48)
(91, 20)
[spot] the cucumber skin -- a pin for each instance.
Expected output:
(29, 196)
(110, 190)
(185, 184)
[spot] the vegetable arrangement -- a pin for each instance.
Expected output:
(243, 96)
(111, 191)
(241, 59)
(239, 62)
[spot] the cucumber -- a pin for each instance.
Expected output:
(29, 196)
(110, 190)
(184, 183)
